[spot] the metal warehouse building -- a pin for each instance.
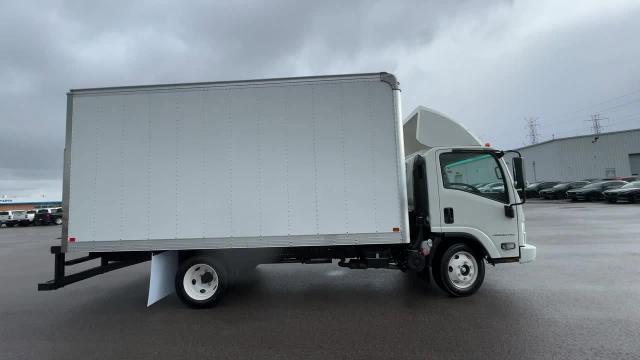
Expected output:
(584, 157)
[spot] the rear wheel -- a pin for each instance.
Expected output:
(201, 281)
(459, 271)
(58, 221)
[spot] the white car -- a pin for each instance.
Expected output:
(20, 217)
(31, 214)
(14, 217)
(6, 218)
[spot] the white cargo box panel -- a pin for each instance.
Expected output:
(270, 163)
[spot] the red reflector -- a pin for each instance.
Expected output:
(72, 239)
(396, 229)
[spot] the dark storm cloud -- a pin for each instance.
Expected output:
(54, 46)
(445, 54)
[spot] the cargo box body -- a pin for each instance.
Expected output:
(315, 161)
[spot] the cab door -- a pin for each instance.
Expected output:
(473, 193)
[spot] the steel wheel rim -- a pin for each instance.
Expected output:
(200, 282)
(462, 270)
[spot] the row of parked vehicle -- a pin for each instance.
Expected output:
(625, 189)
(44, 216)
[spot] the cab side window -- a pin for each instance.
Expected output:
(478, 173)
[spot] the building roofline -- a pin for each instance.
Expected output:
(576, 137)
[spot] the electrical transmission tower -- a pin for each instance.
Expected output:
(596, 126)
(532, 127)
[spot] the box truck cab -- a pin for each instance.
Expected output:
(444, 161)
(308, 170)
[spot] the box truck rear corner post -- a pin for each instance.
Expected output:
(207, 180)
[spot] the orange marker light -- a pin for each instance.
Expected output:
(487, 145)
(396, 229)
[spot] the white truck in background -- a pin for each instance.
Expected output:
(206, 179)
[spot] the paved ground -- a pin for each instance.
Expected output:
(581, 299)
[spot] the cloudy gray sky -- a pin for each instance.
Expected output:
(488, 64)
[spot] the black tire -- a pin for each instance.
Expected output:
(442, 269)
(217, 294)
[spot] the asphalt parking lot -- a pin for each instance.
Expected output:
(580, 299)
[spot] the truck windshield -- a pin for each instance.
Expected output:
(460, 170)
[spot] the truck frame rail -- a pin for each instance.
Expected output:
(108, 262)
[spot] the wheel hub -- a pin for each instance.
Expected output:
(200, 282)
(462, 270)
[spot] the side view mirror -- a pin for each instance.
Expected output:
(518, 174)
(520, 184)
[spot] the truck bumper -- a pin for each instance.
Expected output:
(527, 253)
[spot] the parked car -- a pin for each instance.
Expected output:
(533, 190)
(31, 214)
(20, 217)
(560, 191)
(48, 216)
(6, 218)
(485, 187)
(493, 188)
(593, 191)
(630, 178)
(629, 192)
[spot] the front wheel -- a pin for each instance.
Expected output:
(201, 281)
(460, 270)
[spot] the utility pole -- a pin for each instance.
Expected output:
(596, 127)
(532, 126)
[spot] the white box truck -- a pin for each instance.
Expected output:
(207, 179)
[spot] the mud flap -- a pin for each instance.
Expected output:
(161, 279)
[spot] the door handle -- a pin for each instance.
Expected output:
(448, 215)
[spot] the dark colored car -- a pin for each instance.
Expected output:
(630, 178)
(560, 191)
(48, 216)
(629, 192)
(593, 191)
(534, 189)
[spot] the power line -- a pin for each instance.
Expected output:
(620, 105)
(624, 120)
(599, 103)
(532, 126)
